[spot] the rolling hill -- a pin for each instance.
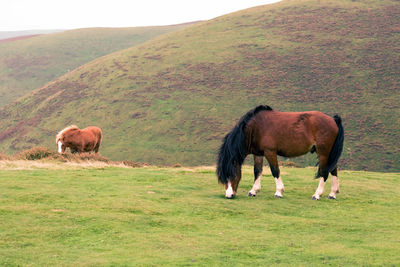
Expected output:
(172, 99)
(29, 63)
(7, 35)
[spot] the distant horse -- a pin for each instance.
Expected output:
(79, 141)
(267, 133)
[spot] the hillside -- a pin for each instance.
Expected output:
(171, 100)
(29, 63)
(4, 35)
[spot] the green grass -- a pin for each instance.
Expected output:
(177, 216)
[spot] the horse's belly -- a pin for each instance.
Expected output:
(88, 147)
(291, 154)
(295, 150)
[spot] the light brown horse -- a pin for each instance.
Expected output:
(79, 141)
(267, 133)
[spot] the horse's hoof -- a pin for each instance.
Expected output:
(314, 198)
(251, 195)
(331, 197)
(277, 196)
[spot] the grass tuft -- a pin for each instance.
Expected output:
(46, 157)
(37, 153)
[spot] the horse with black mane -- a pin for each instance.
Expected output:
(267, 133)
(79, 141)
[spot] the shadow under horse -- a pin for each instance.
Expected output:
(267, 133)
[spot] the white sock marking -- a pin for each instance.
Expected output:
(59, 146)
(335, 187)
(229, 191)
(320, 189)
(256, 186)
(280, 188)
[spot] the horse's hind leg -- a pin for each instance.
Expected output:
(335, 184)
(96, 148)
(273, 164)
(258, 167)
(320, 189)
(323, 173)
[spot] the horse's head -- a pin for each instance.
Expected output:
(230, 178)
(230, 159)
(231, 188)
(60, 146)
(61, 136)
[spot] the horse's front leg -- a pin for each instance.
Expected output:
(258, 167)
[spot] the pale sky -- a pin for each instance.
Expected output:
(16, 15)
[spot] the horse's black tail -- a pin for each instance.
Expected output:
(337, 147)
(233, 150)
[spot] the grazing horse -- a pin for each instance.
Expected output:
(78, 141)
(267, 133)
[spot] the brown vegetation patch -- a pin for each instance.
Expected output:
(39, 154)
(289, 164)
(3, 157)
(36, 153)
(133, 164)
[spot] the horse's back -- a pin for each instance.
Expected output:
(93, 135)
(95, 131)
(297, 121)
(291, 133)
(324, 122)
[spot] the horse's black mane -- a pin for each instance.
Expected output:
(251, 113)
(233, 149)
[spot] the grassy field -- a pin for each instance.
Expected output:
(63, 215)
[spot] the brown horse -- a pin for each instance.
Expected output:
(78, 141)
(267, 133)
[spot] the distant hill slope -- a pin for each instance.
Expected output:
(16, 34)
(171, 100)
(27, 64)
(18, 38)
